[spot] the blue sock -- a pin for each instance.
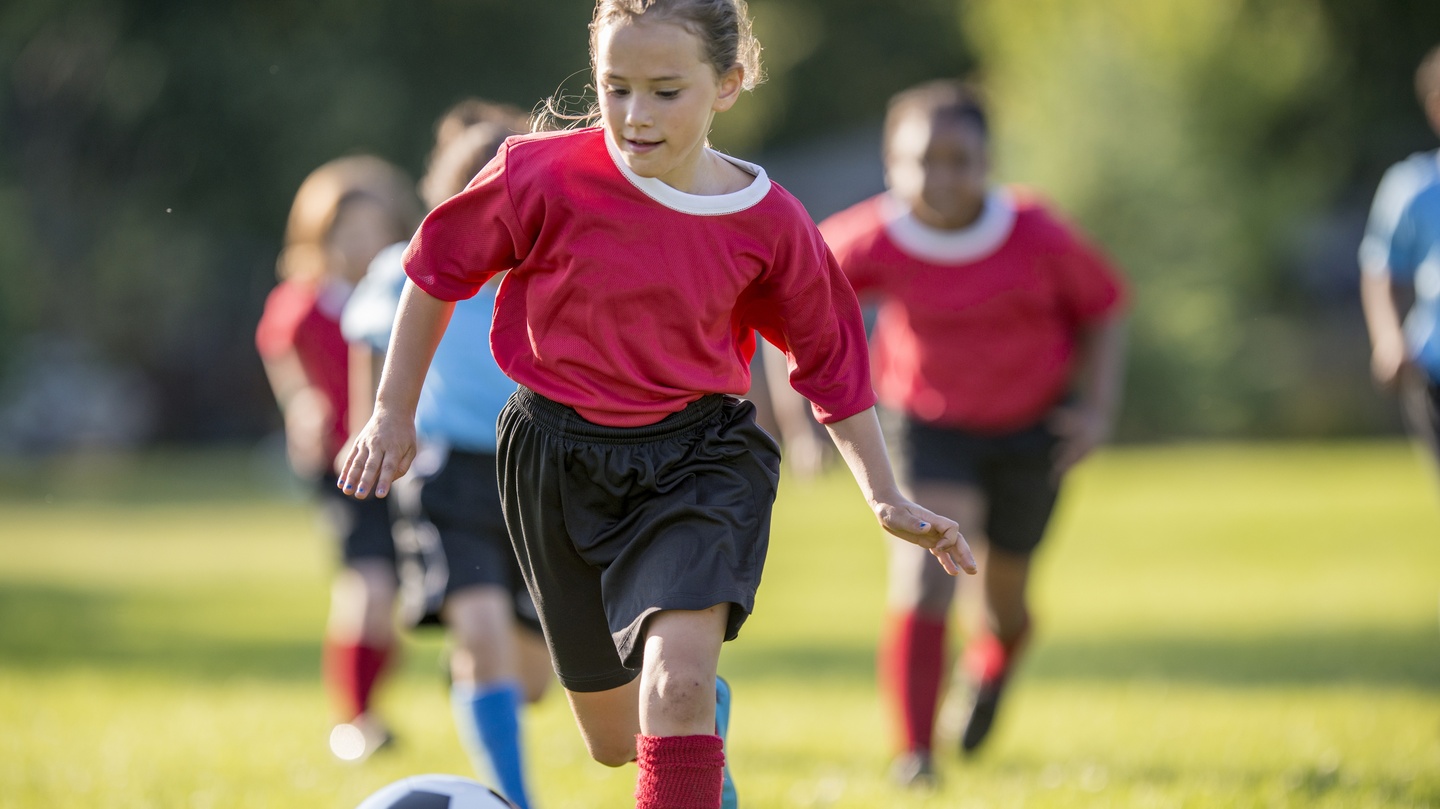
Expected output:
(728, 798)
(488, 717)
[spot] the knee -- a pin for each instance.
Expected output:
(925, 599)
(683, 694)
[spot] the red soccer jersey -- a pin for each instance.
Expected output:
(977, 328)
(627, 299)
(305, 318)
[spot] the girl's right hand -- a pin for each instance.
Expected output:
(382, 452)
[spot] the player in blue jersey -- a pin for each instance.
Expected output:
(457, 566)
(1400, 252)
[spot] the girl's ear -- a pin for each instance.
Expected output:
(732, 82)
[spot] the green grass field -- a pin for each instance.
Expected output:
(1218, 626)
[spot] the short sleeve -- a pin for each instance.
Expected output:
(1397, 188)
(806, 308)
(1406, 250)
(1092, 287)
(470, 237)
(369, 314)
(285, 308)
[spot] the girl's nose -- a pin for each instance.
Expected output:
(637, 113)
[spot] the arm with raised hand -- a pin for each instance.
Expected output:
(863, 447)
(385, 446)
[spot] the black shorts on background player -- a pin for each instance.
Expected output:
(611, 524)
(360, 527)
(451, 534)
(1015, 470)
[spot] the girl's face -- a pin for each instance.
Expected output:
(940, 167)
(658, 96)
(363, 227)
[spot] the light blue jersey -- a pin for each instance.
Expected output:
(1415, 259)
(465, 389)
(1397, 188)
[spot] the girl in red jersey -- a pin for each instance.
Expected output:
(636, 487)
(343, 214)
(998, 350)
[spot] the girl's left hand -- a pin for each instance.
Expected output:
(921, 526)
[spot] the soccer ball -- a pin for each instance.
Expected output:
(436, 792)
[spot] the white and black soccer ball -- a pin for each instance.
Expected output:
(436, 792)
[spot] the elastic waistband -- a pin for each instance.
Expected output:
(563, 421)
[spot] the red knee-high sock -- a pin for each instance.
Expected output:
(989, 657)
(912, 665)
(351, 671)
(678, 772)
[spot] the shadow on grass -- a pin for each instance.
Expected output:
(48, 628)
(1385, 656)
(1301, 784)
(1394, 657)
(54, 627)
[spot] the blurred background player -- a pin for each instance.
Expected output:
(343, 214)
(449, 505)
(1393, 258)
(997, 352)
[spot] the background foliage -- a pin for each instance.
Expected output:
(1223, 151)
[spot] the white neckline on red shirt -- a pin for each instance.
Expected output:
(980, 239)
(697, 204)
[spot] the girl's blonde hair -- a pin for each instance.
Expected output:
(317, 206)
(723, 27)
(466, 137)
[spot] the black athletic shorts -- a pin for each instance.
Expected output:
(361, 528)
(1013, 470)
(451, 535)
(611, 524)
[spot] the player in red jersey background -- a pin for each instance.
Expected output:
(997, 352)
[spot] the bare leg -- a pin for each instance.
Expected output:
(917, 583)
(536, 670)
(362, 603)
(359, 637)
(674, 695)
(1005, 579)
(487, 696)
(490, 644)
(913, 657)
(608, 721)
(677, 683)
(482, 624)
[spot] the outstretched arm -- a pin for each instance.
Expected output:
(863, 447)
(385, 446)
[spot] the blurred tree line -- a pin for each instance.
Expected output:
(1223, 151)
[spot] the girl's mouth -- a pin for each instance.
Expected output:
(642, 146)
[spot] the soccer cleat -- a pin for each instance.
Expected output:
(915, 770)
(359, 738)
(982, 715)
(988, 663)
(728, 798)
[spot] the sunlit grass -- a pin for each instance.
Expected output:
(1217, 626)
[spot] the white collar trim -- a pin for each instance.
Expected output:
(697, 204)
(980, 239)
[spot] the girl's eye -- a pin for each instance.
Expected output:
(668, 93)
(617, 91)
